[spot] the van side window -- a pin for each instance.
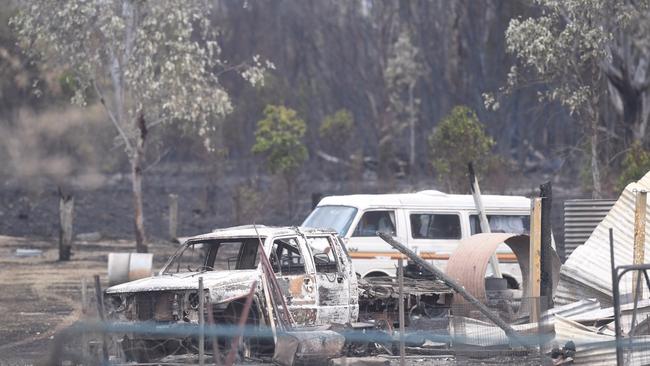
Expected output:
(435, 226)
(373, 221)
(517, 224)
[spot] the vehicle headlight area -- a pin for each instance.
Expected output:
(158, 306)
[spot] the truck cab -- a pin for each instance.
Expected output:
(311, 266)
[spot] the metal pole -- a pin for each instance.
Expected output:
(615, 295)
(511, 333)
(201, 323)
(400, 279)
(485, 225)
(100, 310)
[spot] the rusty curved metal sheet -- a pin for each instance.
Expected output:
(469, 262)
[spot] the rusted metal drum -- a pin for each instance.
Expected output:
(469, 262)
(125, 267)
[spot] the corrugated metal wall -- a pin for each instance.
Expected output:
(580, 219)
(587, 272)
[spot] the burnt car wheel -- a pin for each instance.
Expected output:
(251, 344)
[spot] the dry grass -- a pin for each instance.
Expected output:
(41, 295)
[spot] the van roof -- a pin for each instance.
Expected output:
(429, 198)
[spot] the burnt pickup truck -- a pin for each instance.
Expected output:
(311, 266)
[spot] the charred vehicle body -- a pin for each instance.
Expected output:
(311, 268)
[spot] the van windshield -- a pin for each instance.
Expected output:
(338, 218)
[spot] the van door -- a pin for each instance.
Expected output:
(332, 281)
(372, 255)
(296, 278)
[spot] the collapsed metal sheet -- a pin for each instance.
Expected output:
(469, 262)
(587, 272)
(574, 309)
(593, 348)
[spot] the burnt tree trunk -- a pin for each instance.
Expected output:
(66, 210)
(136, 178)
(289, 178)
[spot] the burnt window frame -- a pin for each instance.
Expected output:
(290, 270)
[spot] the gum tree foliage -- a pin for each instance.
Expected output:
(458, 139)
(279, 138)
(336, 132)
(148, 62)
(402, 72)
(586, 52)
(635, 165)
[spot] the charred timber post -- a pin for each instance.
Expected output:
(66, 211)
(173, 217)
(485, 224)
(546, 281)
(456, 287)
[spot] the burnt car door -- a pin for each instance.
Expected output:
(332, 280)
(295, 278)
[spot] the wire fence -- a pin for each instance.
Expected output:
(160, 329)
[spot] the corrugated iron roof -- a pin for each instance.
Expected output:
(587, 272)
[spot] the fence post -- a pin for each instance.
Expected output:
(535, 258)
(639, 238)
(173, 216)
(100, 310)
(84, 311)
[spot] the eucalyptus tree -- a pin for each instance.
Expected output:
(586, 52)
(147, 62)
(402, 72)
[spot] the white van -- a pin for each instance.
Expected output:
(431, 223)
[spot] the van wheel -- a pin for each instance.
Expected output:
(512, 283)
(376, 274)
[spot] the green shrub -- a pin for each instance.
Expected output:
(458, 139)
